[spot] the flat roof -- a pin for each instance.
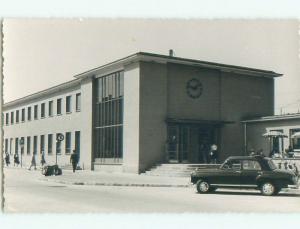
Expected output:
(145, 56)
(274, 118)
(148, 57)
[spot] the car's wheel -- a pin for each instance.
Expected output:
(202, 186)
(268, 189)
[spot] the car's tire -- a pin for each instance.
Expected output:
(268, 189)
(202, 186)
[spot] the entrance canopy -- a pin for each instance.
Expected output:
(198, 121)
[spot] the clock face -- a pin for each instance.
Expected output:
(194, 88)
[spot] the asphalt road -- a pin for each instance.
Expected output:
(25, 193)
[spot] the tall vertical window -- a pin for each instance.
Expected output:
(29, 113)
(17, 116)
(43, 110)
(108, 129)
(28, 145)
(17, 146)
(68, 143)
(6, 146)
(10, 145)
(23, 115)
(50, 110)
(7, 118)
(12, 117)
(42, 144)
(68, 104)
(22, 147)
(58, 106)
(35, 112)
(58, 146)
(294, 142)
(50, 143)
(35, 145)
(78, 101)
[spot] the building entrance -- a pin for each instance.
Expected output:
(188, 143)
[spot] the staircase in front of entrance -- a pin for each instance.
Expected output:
(176, 170)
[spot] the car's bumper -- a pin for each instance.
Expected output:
(295, 186)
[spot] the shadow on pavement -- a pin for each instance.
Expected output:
(250, 194)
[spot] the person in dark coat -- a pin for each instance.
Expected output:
(43, 161)
(33, 162)
(7, 159)
(213, 154)
(74, 160)
(16, 159)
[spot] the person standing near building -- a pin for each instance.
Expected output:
(74, 160)
(16, 159)
(43, 161)
(33, 162)
(213, 154)
(7, 159)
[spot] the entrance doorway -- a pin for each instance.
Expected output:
(187, 143)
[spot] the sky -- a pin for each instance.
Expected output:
(40, 53)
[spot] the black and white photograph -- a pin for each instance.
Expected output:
(151, 115)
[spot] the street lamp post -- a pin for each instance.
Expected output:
(59, 139)
(22, 148)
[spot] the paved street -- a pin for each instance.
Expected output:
(25, 192)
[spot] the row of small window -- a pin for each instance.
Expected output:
(43, 110)
(17, 146)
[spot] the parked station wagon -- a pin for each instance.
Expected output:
(256, 172)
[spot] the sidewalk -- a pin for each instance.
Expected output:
(86, 177)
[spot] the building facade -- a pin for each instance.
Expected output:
(288, 125)
(141, 110)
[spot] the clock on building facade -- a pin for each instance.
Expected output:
(194, 88)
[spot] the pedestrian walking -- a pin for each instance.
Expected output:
(74, 159)
(7, 159)
(16, 159)
(213, 154)
(33, 162)
(43, 161)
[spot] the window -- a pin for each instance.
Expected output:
(58, 107)
(12, 117)
(17, 146)
(28, 145)
(10, 145)
(6, 146)
(43, 110)
(251, 165)
(78, 101)
(34, 145)
(108, 140)
(35, 112)
(50, 143)
(277, 143)
(50, 108)
(17, 116)
(58, 146)
(232, 164)
(29, 113)
(23, 115)
(7, 118)
(68, 104)
(68, 143)
(42, 144)
(22, 147)
(295, 142)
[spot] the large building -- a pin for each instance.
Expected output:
(141, 110)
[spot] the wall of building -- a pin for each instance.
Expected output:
(255, 130)
(131, 121)
(153, 112)
(66, 122)
(180, 105)
(241, 97)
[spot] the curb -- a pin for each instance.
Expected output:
(117, 184)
